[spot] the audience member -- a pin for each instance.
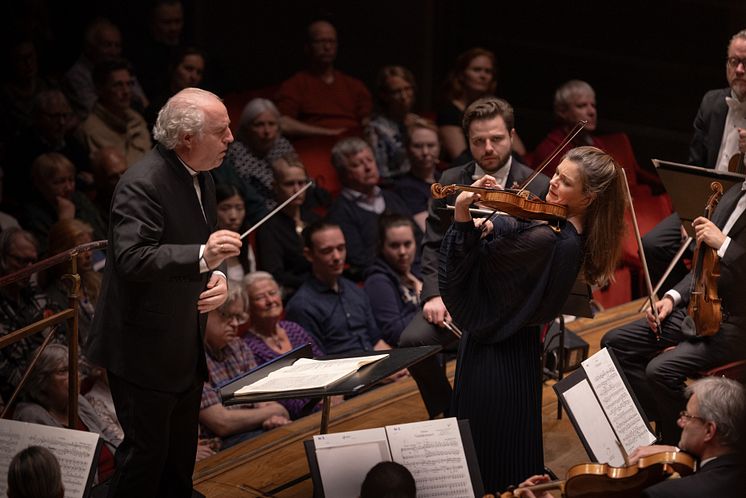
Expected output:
(55, 198)
(278, 240)
(269, 335)
(108, 164)
(423, 151)
(473, 76)
(22, 83)
(113, 122)
(64, 235)
(46, 402)
(102, 40)
(185, 70)
(259, 142)
(719, 132)
(361, 202)
(228, 356)
(392, 288)
(656, 374)
(34, 472)
(332, 309)
(6, 220)
(321, 100)
(488, 124)
(99, 396)
(50, 132)
(21, 303)
(152, 50)
(232, 216)
(388, 480)
(386, 130)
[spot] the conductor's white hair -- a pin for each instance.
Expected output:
(182, 115)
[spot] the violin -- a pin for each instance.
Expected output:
(704, 310)
(519, 203)
(597, 480)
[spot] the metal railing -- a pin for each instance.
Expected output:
(68, 315)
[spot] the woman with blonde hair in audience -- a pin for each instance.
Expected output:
(45, 402)
(386, 131)
(473, 76)
(258, 143)
(269, 335)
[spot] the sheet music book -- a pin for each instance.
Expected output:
(439, 454)
(604, 410)
(76, 451)
(306, 373)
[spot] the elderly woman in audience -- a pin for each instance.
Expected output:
(55, 198)
(473, 76)
(227, 357)
(269, 335)
(393, 290)
(279, 242)
(34, 472)
(46, 402)
(65, 235)
(423, 150)
(386, 130)
(258, 143)
(232, 216)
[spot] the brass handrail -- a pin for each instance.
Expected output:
(69, 315)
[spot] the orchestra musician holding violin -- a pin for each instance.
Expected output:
(488, 125)
(712, 431)
(657, 374)
(502, 282)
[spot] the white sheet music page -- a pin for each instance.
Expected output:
(346, 457)
(74, 451)
(617, 402)
(593, 424)
(434, 454)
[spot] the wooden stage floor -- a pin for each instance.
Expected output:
(259, 467)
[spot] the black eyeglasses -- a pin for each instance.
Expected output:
(686, 416)
(733, 62)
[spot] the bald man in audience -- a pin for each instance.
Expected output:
(108, 165)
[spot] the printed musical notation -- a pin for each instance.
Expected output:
(75, 452)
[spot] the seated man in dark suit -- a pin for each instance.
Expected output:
(712, 430)
(658, 378)
(719, 133)
(488, 124)
(330, 307)
(361, 202)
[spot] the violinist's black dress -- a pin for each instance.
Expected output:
(499, 290)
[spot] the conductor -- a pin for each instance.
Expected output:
(159, 283)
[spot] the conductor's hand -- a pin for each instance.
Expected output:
(435, 312)
(664, 307)
(706, 231)
(215, 294)
(221, 245)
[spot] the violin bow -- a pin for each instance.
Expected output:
(276, 210)
(644, 264)
(570, 136)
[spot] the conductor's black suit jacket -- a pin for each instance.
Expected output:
(146, 328)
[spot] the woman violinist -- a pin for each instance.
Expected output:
(500, 287)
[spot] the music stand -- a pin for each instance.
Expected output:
(689, 187)
(578, 303)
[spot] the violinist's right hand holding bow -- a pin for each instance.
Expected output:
(664, 307)
(532, 481)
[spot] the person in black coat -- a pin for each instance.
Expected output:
(159, 283)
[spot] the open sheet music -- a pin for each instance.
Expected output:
(433, 451)
(306, 373)
(603, 410)
(76, 451)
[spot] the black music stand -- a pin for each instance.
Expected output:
(578, 303)
(362, 380)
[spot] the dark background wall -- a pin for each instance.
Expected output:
(649, 61)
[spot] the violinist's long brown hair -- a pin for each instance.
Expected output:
(604, 217)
